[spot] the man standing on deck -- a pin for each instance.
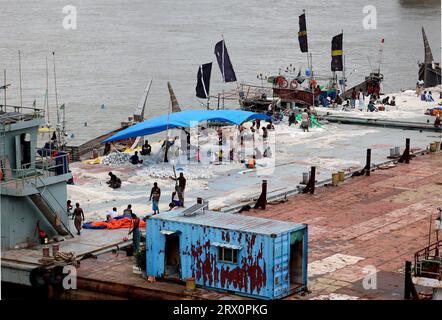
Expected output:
(180, 187)
(305, 120)
(361, 100)
(135, 229)
(78, 217)
(354, 95)
(155, 195)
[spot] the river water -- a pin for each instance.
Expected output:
(119, 46)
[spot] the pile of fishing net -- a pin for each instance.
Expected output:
(198, 171)
(116, 158)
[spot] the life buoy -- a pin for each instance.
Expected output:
(293, 84)
(281, 82)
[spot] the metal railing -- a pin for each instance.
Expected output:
(9, 113)
(44, 167)
(428, 262)
(54, 211)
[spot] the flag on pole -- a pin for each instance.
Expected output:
(225, 65)
(203, 80)
(302, 34)
(336, 53)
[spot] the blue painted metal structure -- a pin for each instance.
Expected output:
(32, 189)
(186, 118)
(271, 261)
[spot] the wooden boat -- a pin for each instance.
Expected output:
(290, 91)
(371, 84)
(95, 147)
(429, 71)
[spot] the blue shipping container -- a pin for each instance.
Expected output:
(252, 256)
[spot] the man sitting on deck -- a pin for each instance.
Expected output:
(146, 149)
(128, 210)
(112, 214)
(135, 159)
(114, 181)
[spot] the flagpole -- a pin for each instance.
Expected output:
(343, 67)
(56, 98)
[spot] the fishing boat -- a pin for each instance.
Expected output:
(94, 147)
(429, 71)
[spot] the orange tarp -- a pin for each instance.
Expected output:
(117, 223)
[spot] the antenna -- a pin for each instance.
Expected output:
(381, 50)
(19, 76)
(56, 94)
(4, 75)
(369, 62)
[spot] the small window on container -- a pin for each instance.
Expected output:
(227, 255)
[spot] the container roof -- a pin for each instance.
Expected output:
(234, 222)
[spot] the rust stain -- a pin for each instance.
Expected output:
(248, 276)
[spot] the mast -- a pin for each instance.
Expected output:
(381, 50)
(19, 76)
(47, 91)
(4, 76)
(56, 104)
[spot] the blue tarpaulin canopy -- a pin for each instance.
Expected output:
(185, 119)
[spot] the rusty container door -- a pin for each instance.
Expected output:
(281, 265)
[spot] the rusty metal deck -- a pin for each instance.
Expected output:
(377, 222)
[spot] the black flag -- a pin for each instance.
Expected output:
(203, 82)
(224, 62)
(302, 34)
(336, 53)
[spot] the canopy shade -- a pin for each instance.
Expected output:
(185, 119)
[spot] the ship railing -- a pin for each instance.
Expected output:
(428, 261)
(19, 113)
(43, 167)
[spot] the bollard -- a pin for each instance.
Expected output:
(368, 163)
(406, 155)
(341, 175)
(397, 151)
(262, 200)
(310, 187)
